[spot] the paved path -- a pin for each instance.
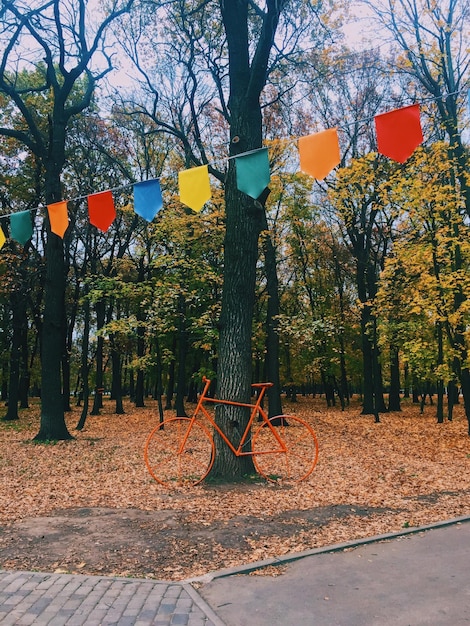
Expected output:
(414, 580)
(63, 599)
(417, 579)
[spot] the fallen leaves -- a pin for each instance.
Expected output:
(372, 479)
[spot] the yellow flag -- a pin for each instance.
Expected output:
(319, 153)
(2, 238)
(194, 186)
(58, 217)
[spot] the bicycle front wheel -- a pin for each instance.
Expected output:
(178, 453)
(300, 456)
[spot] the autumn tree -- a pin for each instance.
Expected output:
(431, 41)
(224, 64)
(360, 198)
(426, 271)
(62, 36)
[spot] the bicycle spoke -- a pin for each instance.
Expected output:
(298, 460)
(175, 457)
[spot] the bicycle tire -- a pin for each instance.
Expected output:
(300, 458)
(170, 467)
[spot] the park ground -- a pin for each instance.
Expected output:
(90, 506)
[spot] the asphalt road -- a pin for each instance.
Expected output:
(415, 580)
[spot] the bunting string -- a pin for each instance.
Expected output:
(398, 134)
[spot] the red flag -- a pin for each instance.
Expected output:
(101, 210)
(399, 132)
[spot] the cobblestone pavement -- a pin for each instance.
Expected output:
(62, 599)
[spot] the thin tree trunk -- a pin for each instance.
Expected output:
(98, 397)
(170, 387)
(15, 356)
(85, 367)
(116, 384)
(272, 332)
(159, 381)
(140, 379)
(394, 394)
(182, 352)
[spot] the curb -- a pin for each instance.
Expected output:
(338, 547)
(202, 604)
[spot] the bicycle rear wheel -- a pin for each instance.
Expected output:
(168, 463)
(300, 457)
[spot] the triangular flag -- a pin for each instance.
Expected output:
(319, 153)
(194, 186)
(21, 228)
(399, 132)
(2, 238)
(253, 173)
(58, 217)
(147, 199)
(101, 210)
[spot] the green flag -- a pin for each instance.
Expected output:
(253, 173)
(21, 228)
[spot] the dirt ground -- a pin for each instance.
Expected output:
(89, 506)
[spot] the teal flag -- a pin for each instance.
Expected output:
(21, 227)
(148, 199)
(253, 173)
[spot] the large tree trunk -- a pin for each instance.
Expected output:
(234, 367)
(244, 219)
(53, 426)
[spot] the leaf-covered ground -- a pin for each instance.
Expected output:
(89, 505)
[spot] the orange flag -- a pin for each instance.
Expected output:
(58, 217)
(101, 210)
(319, 153)
(399, 132)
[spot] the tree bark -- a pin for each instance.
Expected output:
(53, 426)
(244, 219)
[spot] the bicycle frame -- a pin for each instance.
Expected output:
(256, 409)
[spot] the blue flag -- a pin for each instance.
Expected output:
(148, 199)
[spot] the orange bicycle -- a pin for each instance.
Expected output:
(181, 450)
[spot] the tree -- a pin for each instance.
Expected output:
(425, 272)
(61, 35)
(360, 199)
(238, 53)
(434, 52)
